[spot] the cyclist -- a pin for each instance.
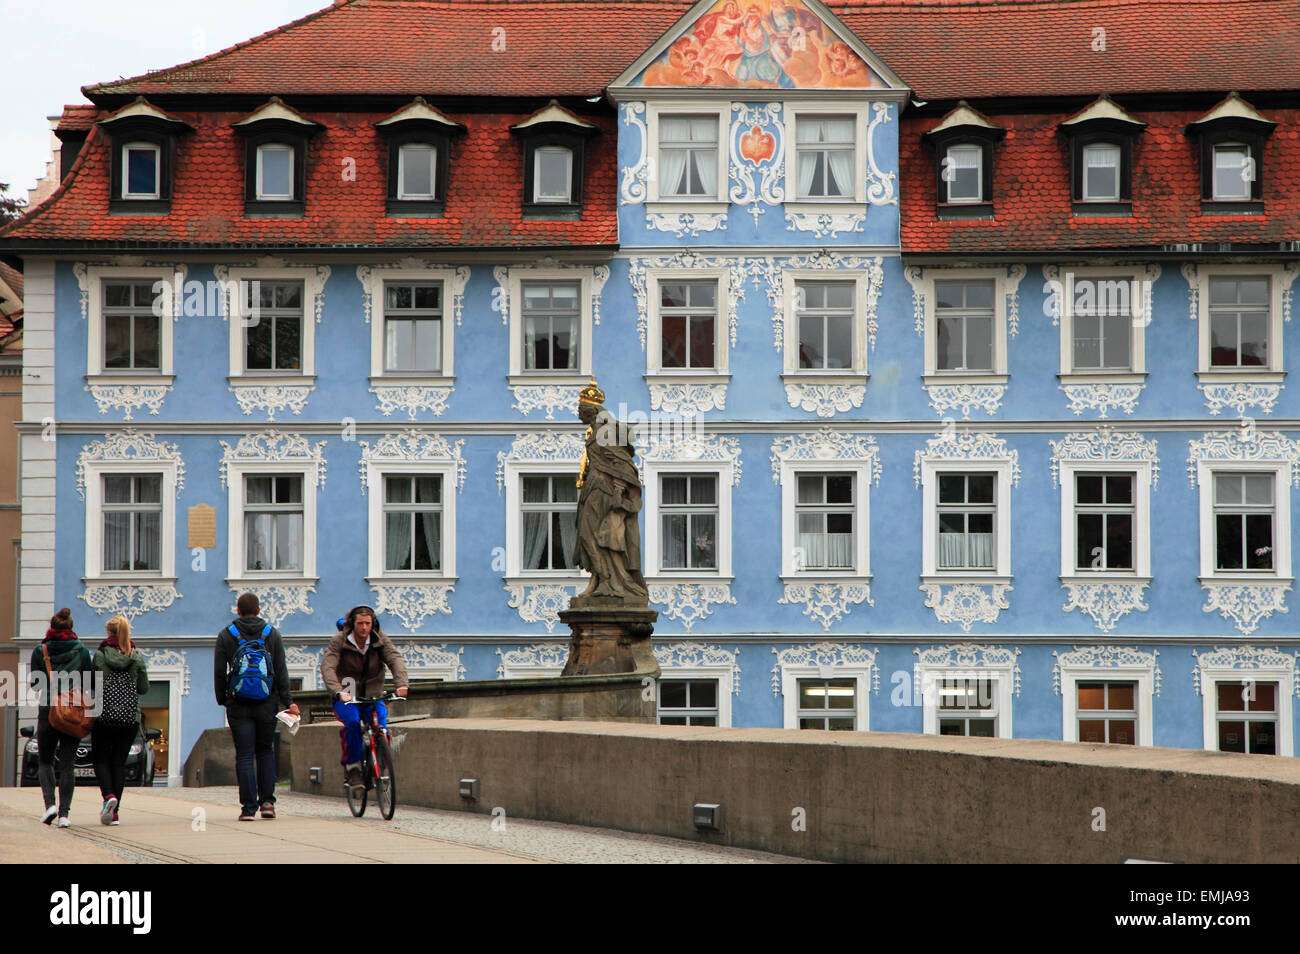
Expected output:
(353, 667)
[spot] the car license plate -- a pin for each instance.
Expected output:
(83, 772)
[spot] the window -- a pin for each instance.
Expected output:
(1104, 515)
(825, 313)
(688, 157)
(963, 144)
(132, 339)
(132, 513)
(825, 517)
(550, 326)
(1243, 521)
(417, 171)
(1230, 139)
(688, 511)
(142, 170)
(1107, 712)
(412, 523)
(965, 317)
(974, 700)
(828, 704)
(550, 527)
(552, 174)
(273, 326)
(1101, 172)
(412, 327)
(1233, 171)
(1246, 716)
(275, 178)
(273, 523)
(1101, 330)
(967, 514)
(967, 707)
(824, 151)
(963, 173)
(1239, 322)
(688, 315)
(688, 702)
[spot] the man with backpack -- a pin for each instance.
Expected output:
(252, 682)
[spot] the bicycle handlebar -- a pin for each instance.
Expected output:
(390, 697)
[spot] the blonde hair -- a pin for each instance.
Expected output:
(120, 627)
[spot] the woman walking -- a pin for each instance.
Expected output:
(59, 652)
(124, 678)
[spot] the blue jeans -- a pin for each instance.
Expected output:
(254, 736)
(351, 715)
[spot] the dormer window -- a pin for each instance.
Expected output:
(554, 140)
(1101, 158)
(1231, 138)
(142, 156)
(419, 149)
(275, 159)
(963, 144)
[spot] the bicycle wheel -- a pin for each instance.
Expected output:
(357, 794)
(385, 778)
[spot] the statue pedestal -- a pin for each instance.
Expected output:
(609, 640)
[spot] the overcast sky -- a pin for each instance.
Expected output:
(51, 48)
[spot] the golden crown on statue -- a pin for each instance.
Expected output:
(591, 394)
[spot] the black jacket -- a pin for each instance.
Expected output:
(223, 664)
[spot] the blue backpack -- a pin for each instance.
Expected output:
(251, 676)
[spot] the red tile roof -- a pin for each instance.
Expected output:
(483, 208)
(1032, 199)
(14, 279)
(78, 118)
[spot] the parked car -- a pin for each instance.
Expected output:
(139, 761)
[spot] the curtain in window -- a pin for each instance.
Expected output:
(147, 541)
(432, 526)
(397, 541)
(674, 542)
(672, 163)
(841, 172)
(807, 169)
(966, 549)
(568, 522)
(117, 541)
(288, 541)
(706, 167)
(257, 540)
(826, 550)
(536, 530)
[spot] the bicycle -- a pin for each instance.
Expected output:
(377, 765)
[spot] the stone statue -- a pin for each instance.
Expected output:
(609, 499)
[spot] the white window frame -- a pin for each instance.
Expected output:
(1211, 675)
(260, 194)
(1141, 471)
(376, 471)
(790, 676)
(653, 471)
(94, 563)
(126, 170)
(930, 471)
(1083, 172)
(932, 373)
(1281, 471)
(1275, 372)
(979, 151)
(538, 198)
(96, 276)
(312, 291)
(585, 278)
(694, 204)
(375, 282)
(1002, 677)
(657, 277)
(791, 371)
(862, 474)
(814, 110)
(1245, 195)
(514, 488)
(1072, 675)
(722, 674)
(401, 172)
(237, 470)
(1136, 372)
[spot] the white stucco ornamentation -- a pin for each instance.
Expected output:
(1190, 273)
(686, 399)
(412, 601)
(757, 148)
(1011, 279)
(1106, 601)
(271, 398)
(1105, 446)
(1239, 396)
(541, 602)
(825, 444)
(1246, 603)
(279, 600)
(1012, 287)
(772, 270)
(825, 399)
(169, 658)
(411, 398)
(412, 445)
(686, 224)
(880, 184)
(544, 656)
(273, 446)
(632, 190)
(689, 602)
(501, 274)
(314, 279)
(826, 602)
(1247, 659)
(549, 398)
(824, 224)
(966, 603)
(130, 445)
(130, 599)
(1244, 444)
(546, 447)
(945, 398)
(303, 657)
(950, 445)
(1102, 398)
(915, 277)
(699, 655)
(690, 447)
(826, 657)
(455, 291)
(737, 269)
(967, 657)
(128, 398)
(425, 656)
(1105, 657)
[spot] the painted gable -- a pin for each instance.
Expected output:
(761, 44)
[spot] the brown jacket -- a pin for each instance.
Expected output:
(344, 661)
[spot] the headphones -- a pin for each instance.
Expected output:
(351, 619)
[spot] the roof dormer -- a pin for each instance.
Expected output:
(1101, 158)
(275, 159)
(963, 144)
(1231, 140)
(419, 150)
(554, 141)
(142, 157)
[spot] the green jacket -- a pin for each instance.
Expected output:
(112, 659)
(66, 655)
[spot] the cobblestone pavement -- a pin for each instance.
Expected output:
(163, 825)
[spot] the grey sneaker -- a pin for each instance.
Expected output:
(48, 817)
(63, 822)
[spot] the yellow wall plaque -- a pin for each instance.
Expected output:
(202, 527)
